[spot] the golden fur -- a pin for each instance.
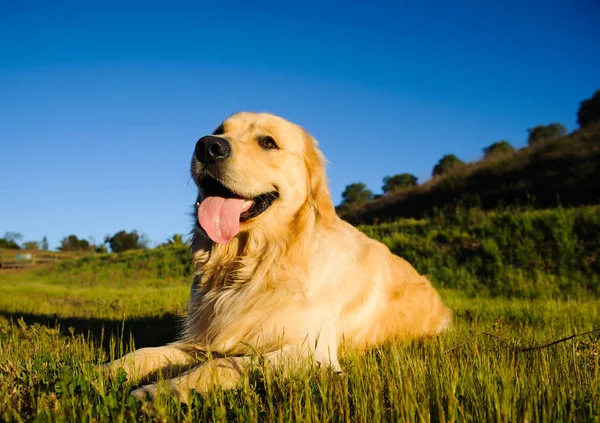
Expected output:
(295, 281)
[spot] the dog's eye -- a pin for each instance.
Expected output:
(220, 130)
(267, 142)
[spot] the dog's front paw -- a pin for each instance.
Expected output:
(113, 370)
(146, 393)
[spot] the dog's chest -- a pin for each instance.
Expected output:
(228, 319)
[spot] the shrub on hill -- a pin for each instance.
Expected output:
(399, 181)
(545, 132)
(356, 193)
(589, 111)
(497, 149)
(446, 164)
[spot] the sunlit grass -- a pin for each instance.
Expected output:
(48, 373)
(136, 300)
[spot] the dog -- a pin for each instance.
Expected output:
(276, 270)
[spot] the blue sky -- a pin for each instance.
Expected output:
(101, 103)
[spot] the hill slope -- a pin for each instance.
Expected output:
(564, 170)
(514, 253)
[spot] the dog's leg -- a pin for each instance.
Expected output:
(321, 341)
(150, 361)
(220, 372)
(223, 372)
(325, 349)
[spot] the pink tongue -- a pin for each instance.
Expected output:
(220, 217)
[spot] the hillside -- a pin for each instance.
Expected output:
(565, 171)
(510, 252)
(514, 253)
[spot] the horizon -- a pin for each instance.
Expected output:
(102, 106)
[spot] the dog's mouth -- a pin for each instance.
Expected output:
(222, 210)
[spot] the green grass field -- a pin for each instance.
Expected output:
(47, 371)
(58, 323)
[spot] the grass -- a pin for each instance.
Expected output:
(132, 284)
(57, 323)
(47, 373)
(512, 252)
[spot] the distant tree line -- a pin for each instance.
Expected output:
(12, 240)
(588, 114)
(119, 242)
(123, 241)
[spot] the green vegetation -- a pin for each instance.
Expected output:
(48, 373)
(555, 169)
(123, 241)
(531, 253)
(589, 111)
(57, 323)
(396, 182)
(356, 193)
(159, 265)
(133, 284)
(72, 243)
(447, 164)
(562, 170)
(512, 252)
(497, 149)
(545, 132)
(11, 240)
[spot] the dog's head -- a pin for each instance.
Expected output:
(257, 170)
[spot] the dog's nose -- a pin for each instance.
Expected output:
(210, 149)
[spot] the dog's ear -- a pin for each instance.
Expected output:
(318, 190)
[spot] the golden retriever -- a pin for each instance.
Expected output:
(277, 271)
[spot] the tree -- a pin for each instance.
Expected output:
(101, 248)
(176, 239)
(11, 240)
(44, 244)
(31, 245)
(356, 193)
(447, 163)
(5, 243)
(589, 110)
(545, 132)
(72, 243)
(123, 241)
(499, 148)
(401, 180)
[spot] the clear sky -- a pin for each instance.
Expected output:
(101, 103)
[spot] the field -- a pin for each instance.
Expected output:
(58, 323)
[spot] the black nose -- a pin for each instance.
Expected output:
(210, 149)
